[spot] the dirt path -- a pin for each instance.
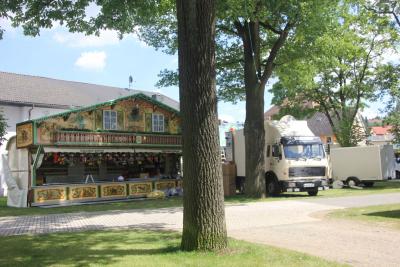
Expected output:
(357, 244)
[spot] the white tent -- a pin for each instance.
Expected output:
(3, 151)
(13, 181)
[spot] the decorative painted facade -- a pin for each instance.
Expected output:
(136, 120)
(124, 148)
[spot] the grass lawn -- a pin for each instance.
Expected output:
(379, 187)
(387, 215)
(139, 248)
(135, 204)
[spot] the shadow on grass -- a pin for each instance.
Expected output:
(82, 249)
(94, 207)
(245, 199)
(394, 214)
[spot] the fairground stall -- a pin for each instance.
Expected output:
(125, 148)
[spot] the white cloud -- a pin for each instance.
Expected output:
(95, 60)
(80, 40)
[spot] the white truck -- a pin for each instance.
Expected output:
(362, 164)
(295, 159)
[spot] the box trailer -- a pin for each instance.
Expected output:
(363, 164)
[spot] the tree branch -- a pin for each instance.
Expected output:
(274, 52)
(239, 28)
(227, 29)
(396, 18)
(268, 26)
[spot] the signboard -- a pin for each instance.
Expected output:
(229, 146)
(24, 135)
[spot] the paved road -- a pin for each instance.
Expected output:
(290, 224)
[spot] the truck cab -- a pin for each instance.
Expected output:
(296, 164)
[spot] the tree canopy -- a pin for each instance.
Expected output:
(345, 68)
(3, 127)
(204, 217)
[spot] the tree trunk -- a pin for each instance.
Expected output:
(254, 131)
(255, 142)
(203, 215)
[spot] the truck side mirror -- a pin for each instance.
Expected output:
(328, 149)
(280, 156)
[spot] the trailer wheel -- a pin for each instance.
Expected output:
(368, 184)
(352, 181)
(313, 193)
(272, 186)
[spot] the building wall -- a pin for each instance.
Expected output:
(15, 114)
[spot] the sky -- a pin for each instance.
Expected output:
(104, 60)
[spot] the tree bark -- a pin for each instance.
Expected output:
(203, 215)
(254, 125)
(255, 83)
(255, 141)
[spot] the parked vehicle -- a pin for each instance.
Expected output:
(295, 158)
(397, 167)
(363, 164)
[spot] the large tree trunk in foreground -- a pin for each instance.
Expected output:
(203, 215)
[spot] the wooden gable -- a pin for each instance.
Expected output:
(126, 115)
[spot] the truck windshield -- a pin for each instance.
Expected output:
(304, 151)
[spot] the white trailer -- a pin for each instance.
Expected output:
(362, 164)
(295, 159)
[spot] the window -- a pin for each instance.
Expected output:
(109, 120)
(158, 123)
(275, 151)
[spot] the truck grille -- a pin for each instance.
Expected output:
(306, 171)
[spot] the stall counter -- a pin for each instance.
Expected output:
(98, 191)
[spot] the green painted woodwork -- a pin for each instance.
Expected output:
(34, 165)
(111, 103)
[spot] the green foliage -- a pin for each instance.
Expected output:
(394, 120)
(296, 110)
(344, 68)
(154, 21)
(3, 127)
(386, 7)
(390, 82)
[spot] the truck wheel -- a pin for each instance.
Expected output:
(368, 184)
(313, 192)
(352, 181)
(272, 187)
